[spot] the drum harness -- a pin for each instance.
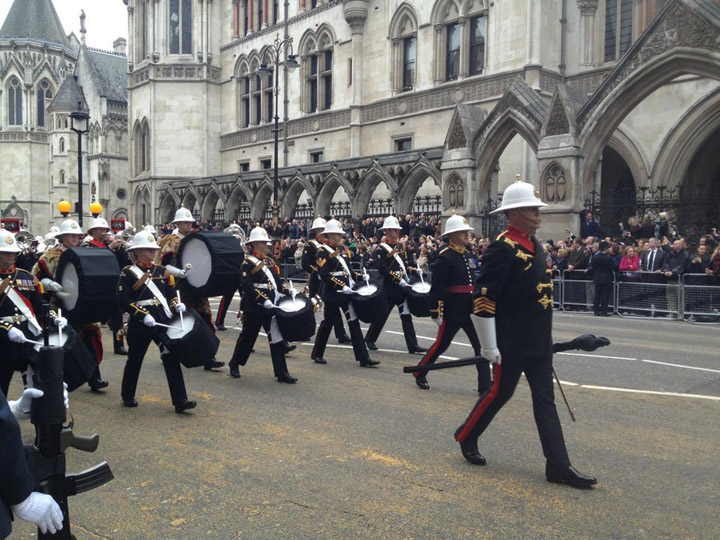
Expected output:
(23, 308)
(405, 308)
(352, 316)
(154, 290)
(275, 335)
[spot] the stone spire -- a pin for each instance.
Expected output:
(34, 20)
(83, 31)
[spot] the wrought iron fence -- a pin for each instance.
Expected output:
(492, 224)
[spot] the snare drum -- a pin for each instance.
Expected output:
(296, 318)
(369, 302)
(215, 260)
(418, 298)
(78, 363)
(192, 342)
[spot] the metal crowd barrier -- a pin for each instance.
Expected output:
(578, 291)
(701, 298)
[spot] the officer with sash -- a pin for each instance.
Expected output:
(451, 299)
(309, 257)
(513, 316)
(338, 279)
(146, 292)
(395, 269)
(20, 301)
(261, 289)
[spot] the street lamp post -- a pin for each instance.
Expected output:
(79, 121)
(290, 64)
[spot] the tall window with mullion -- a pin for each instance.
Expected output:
(15, 103)
(618, 28)
(180, 25)
(452, 54)
(409, 57)
(312, 84)
(44, 96)
(478, 30)
(257, 99)
(245, 100)
(268, 95)
(327, 57)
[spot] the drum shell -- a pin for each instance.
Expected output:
(226, 254)
(79, 365)
(98, 273)
(372, 308)
(418, 303)
(298, 325)
(197, 347)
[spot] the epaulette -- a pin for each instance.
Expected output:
(443, 250)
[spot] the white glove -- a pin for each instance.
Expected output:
(60, 322)
(438, 321)
(149, 320)
(42, 510)
(16, 336)
(21, 407)
(50, 285)
(485, 328)
(419, 271)
(403, 283)
(66, 397)
(346, 290)
(176, 272)
(180, 308)
(493, 355)
(268, 304)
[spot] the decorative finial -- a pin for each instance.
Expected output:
(83, 31)
(517, 178)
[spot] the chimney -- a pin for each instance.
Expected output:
(119, 46)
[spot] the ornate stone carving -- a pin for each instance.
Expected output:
(588, 7)
(558, 122)
(456, 139)
(455, 192)
(554, 184)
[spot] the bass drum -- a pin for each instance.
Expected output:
(369, 302)
(215, 259)
(78, 363)
(191, 341)
(89, 278)
(417, 296)
(296, 318)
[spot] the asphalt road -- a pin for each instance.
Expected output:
(363, 453)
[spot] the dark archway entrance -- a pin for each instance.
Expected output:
(700, 191)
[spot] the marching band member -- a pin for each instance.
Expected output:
(395, 270)
(145, 291)
(513, 316)
(451, 300)
(261, 289)
(333, 266)
(167, 256)
(309, 257)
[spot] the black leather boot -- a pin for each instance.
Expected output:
(470, 451)
(234, 370)
(185, 405)
(410, 338)
(569, 476)
(371, 345)
(421, 381)
(214, 364)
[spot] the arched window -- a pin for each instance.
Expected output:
(478, 32)
(403, 31)
(62, 177)
(244, 97)
(44, 96)
(142, 147)
(269, 88)
(15, 109)
(180, 25)
(317, 66)
(61, 146)
(618, 28)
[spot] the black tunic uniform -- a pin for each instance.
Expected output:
(256, 288)
(451, 301)
(392, 272)
(138, 302)
(515, 286)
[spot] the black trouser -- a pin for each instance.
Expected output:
(252, 323)
(139, 338)
(446, 333)
(92, 339)
(602, 297)
(116, 324)
(331, 318)
(375, 329)
(15, 357)
(223, 308)
(313, 291)
(538, 372)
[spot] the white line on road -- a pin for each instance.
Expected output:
(651, 392)
(681, 366)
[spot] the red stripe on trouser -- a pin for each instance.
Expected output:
(432, 350)
(482, 406)
(221, 308)
(92, 334)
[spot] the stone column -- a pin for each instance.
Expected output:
(587, 31)
(236, 18)
(131, 36)
(464, 24)
(440, 56)
(356, 12)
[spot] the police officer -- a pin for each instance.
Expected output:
(395, 269)
(20, 301)
(451, 299)
(308, 262)
(261, 289)
(513, 316)
(333, 266)
(167, 256)
(146, 293)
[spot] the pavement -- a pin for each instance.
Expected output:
(355, 453)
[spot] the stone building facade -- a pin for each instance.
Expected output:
(44, 73)
(394, 99)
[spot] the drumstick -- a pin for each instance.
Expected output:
(60, 328)
(182, 321)
(168, 326)
(34, 342)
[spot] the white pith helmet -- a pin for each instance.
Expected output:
(258, 234)
(333, 226)
(143, 240)
(8, 244)
(519, 195)
(183, 214)
(150, 229)
(41, 247)
(456, 223)
(318, 223)
(391, 222)
(51, 233)
(69, 226)
(98, 223)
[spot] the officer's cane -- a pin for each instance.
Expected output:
(562, 392)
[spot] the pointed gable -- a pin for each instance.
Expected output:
(68, 97)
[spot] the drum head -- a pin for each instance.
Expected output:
(291, 305)
(196, 252)
(366, 290)
(70, 283)
(421, 287)
(54, 340)
(180, 330)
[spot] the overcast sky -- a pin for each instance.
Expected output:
(106, 20)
